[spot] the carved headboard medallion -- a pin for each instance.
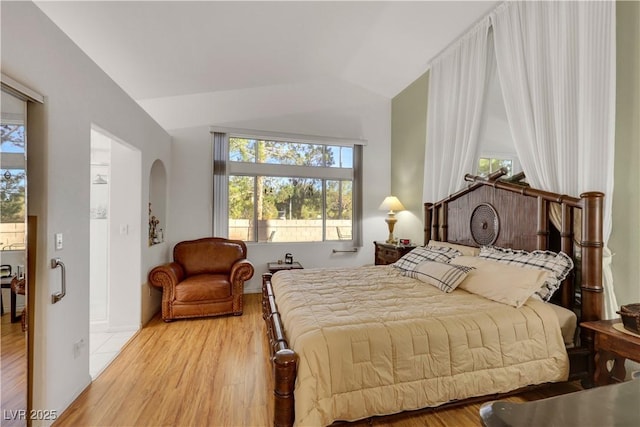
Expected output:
(484, 224)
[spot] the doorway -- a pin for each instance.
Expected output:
(13, 232)
(115, 242)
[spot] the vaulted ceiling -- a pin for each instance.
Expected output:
(163, 53)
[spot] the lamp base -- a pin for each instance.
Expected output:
(391, 222)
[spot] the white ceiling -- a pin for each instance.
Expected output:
(160, 51)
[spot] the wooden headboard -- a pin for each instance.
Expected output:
(513, 215)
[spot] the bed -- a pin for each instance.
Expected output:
(352, 343)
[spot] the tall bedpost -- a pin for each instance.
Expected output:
(427, 222)
(592, 246)
(591, 284)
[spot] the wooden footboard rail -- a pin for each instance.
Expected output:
(285, 360)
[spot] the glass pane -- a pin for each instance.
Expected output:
(508, 165)
(12, 204)
(12, 138)
(241, 208)
(242, 150)
(290, 153)
(339, 157)
(484, 166)
(287, 209)
(339, 223)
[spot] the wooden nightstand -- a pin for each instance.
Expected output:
(609, 344)
(274, 266)
(388, 254)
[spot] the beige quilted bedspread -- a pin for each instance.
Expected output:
(373, 342)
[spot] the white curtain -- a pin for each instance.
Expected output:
(556, 65)
(457, 85)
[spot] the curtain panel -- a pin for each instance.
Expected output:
(457, 86)
(220, 197)
(556, 66)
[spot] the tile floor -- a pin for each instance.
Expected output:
(104, 347)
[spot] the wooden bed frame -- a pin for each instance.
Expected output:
(523, 222)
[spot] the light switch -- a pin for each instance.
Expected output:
(58, 241)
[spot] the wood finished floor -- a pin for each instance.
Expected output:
(215, 372)
(13, 367)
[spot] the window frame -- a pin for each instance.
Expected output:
(224, 168)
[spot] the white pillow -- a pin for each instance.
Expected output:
(422, 253)
(463, 249)
(443, 276)
(508, 284)
(560, 264)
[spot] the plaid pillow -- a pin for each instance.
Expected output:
(442, 275)
(560, 264)
(424, 253)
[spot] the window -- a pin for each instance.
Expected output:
(12, 187)
(488, 165)
(289, 191)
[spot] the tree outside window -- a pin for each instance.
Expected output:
(304, 206)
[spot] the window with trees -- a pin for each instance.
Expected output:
(488, 165)
(12, 187)
(282, 191)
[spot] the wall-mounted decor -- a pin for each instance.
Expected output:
(156, 235)
(157, 198)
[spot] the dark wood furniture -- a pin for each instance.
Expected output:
(610, 344)
(523, 216)
(274, 267)
(6, 284)
(387, 253)
(613, 405)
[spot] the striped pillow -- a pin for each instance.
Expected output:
(560, 264)
(422, 253)
(443, 276)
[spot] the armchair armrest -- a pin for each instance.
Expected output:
(241, 270)
(166, 275)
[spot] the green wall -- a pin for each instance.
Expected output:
(408, 136)
(625, 236)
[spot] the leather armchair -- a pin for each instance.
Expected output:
(206, 278)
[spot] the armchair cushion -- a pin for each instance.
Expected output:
(202, 287)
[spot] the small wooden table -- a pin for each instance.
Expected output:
(274, 267)
(611, 344)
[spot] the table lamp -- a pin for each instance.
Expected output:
(391, 204)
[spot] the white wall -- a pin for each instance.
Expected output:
(77, 95)
(341, 111)
(125, 236)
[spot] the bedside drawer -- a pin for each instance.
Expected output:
(388, 254)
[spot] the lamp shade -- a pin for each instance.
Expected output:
(391, 203)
